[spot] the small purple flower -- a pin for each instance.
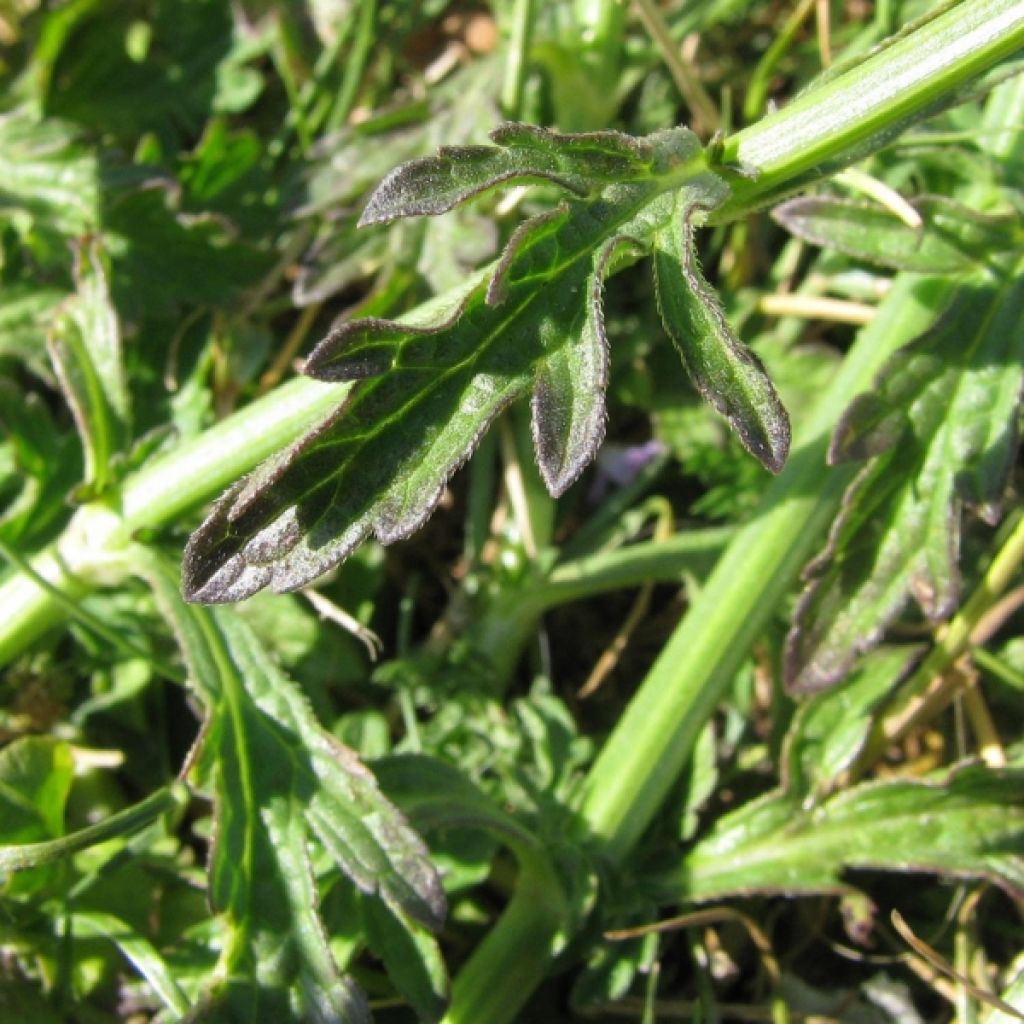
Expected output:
(619, 464)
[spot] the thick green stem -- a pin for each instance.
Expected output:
(642, 758)
(856, 112)
(87, 553)
(652, 741)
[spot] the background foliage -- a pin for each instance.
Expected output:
(457, 778)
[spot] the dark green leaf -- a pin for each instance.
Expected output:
(952, 237)
(431, 388)
(966, 823)
(939, 432)
(726, 373)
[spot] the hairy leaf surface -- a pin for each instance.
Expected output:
(428, 389)
(282, 785)
(724, 370)
(580, 163)
(939, 432)
(965, 824)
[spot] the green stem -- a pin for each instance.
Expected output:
(757, 90)
(19, 857)
(518, 57)
(508, 624)
(157, 494)
(510, 963)
(652, 741)
(855, 112)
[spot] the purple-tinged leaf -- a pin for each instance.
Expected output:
(725, 372)
(568, 391)
(578, 163)
(939, 432)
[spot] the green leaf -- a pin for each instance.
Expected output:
(48, 175)
(26, 311)
(47, 466)
(579, 163)
(938, 432)
(965, 823)
(85, 346)
(726, 373)
(165, 259)
(138, 951)
(431, 387)
(412, 959)
(281, 786)
(35, 779)
(952, 238)
(830, 729)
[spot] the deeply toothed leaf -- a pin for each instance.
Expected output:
(723, 369)
(939, 432)
(426, 390)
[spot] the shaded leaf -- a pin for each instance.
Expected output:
(35, 779)
(830, 730)
(412, 959)
(966, 823)
(939, 432)
(952, 238)
(282, 784)
(726, 373)
(85, 346)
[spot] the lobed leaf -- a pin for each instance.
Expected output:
(939, 432)
(282, 785)
(578, 163)
(725, 372)
(966, 823)
(427, 390)
(953, 237)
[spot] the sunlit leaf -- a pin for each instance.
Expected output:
(430, 388)
(965, 823)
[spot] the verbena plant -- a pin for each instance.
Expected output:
(182, 210)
